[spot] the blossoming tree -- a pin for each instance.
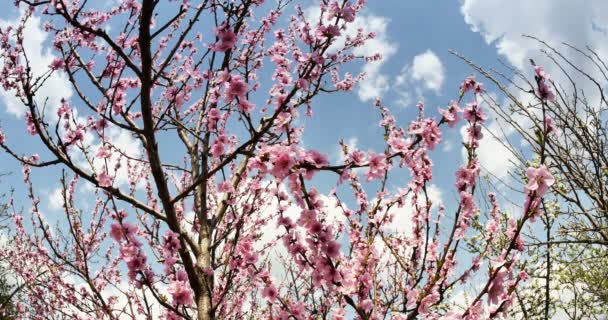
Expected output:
(232, 225)
(572, 249)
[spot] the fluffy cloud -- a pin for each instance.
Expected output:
(427, 68)
(425, 72)
(502, 23)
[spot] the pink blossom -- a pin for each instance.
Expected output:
(226, 38)
(427, 302)
(217, 149)
(348, 13)
(377, 166)
(540, 180)
(475, 133)
(549, 125)
(64, 109)
(104, 180)
(282, 164)
(316, 158)
(545, 92)
(357, 157)
(74, 136)
(428, 131)
(451, 114)
(57, 64)
(103, 152)
(270, 293)
(171, 242)
(412, 298)
(540, 73)
(474, 113)
(31, 126)
(181, 293)
(213, 115)
(245, 106)
(467, 84)
(399, 144)
(332, 249)
(237, 88)
(116, 232)
(497, 287)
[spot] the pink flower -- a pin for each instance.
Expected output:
(497, 287)
(226, 39)
(467, 84)
(270, 293)
(451, 114)
(171, 242)
(2, 137)
(103, 153)
(64, 109)
(104, 180)
(475, 132)
(217, 149)
(549, 125)
(332, 249)
(237, 88)
(328, 31)
(116, 232)
(540, 179)
(31, 126)
(377, 166)
(180, 293)
(540, 73)
(357, 157)
(545, 92)
(100, 124)
(136, 260)
(427, 302)
(213, 115)
(73, 136)
(57, 64)
(245, 106)
(126, 231)
(429, 132)
(412, 297)
(399, 144)
(282, 164)
(316, 158)
(474, 113)
(348, 13)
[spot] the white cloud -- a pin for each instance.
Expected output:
(502, 22)
(427, 68)
(375, 83)
(56, 86)
(579, 23)
(425, 72)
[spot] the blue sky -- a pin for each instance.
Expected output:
(414, 37)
